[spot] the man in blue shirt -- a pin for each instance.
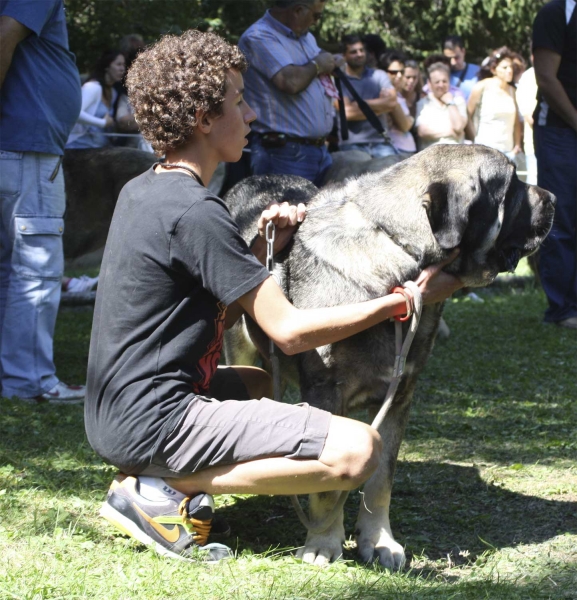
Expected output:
(39, 103)
(463, 74)
(289, 88)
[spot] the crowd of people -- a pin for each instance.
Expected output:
(176, 272)
(445, 100)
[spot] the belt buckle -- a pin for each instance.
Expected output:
(273, 140)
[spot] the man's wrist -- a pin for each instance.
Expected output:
(317, 67)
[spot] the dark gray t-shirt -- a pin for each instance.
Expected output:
(174, 260)
(555, 28)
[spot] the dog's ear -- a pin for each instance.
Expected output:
(447, 204)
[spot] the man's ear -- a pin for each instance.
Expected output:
(447, 204)
(203, 121)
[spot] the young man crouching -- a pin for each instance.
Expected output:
(175, 274)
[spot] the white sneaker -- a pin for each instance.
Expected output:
(475, 298)
(81, 285)
(61, 393)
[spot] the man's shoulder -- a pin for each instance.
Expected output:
(32, 14)
(472, 71)
(555, 7)
(263, 29)
(554, 11)
(377, 75)
(180, 192)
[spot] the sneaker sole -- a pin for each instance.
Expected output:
(52, 401)
(129, 528)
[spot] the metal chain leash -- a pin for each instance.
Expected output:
(277, 389)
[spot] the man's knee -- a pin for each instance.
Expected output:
(258, 382)
(353, 450)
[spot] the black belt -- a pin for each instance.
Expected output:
(273, 139)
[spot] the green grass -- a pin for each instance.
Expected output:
(485, 497)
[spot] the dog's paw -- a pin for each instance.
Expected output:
(381, 547)
(320, 549)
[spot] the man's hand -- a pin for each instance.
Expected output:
(435, 284)
(286, 218)
(326, 62)
(447, 98)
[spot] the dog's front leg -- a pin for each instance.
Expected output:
(375, 541)
(322, 548)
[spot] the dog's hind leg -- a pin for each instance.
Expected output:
(375, 541)
(327, 546)
(237, 348)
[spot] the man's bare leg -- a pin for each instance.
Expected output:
(349, 457)
(257, 382)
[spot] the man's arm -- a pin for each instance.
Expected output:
(385, 103)
(11, 34)
(296, 330)
(286, 218)
(546, 63)
(293, 79)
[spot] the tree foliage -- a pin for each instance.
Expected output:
(419, 26)
(416, 26)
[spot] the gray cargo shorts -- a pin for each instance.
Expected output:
(218, 431)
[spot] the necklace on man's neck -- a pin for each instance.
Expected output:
(191, 172)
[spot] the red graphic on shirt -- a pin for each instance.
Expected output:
(208, 363)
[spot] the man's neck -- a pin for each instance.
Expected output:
(355, 71)
(189, 156)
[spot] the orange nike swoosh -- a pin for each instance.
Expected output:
(170, 535)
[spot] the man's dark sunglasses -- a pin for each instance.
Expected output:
(395, 71)
(317, 16)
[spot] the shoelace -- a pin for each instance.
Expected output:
(199, 530)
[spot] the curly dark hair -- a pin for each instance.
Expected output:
(493, 60)
(170, 81)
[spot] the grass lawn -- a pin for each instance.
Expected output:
(485, 498)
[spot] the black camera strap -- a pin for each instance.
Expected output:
(340, 80)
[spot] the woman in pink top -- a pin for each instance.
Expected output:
(400, 121)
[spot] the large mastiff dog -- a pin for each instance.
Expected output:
(362, 238)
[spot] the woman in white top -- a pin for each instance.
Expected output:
(441, 117)
(98, 98)
(492, 105)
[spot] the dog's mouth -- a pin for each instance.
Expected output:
(508, 260)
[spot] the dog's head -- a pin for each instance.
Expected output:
(475, 201)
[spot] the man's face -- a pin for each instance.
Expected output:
(355, 55)
(439, 83)
(229, 130)
(457, 56)
(305, 16)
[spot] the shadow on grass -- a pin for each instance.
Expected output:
(437, 509)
